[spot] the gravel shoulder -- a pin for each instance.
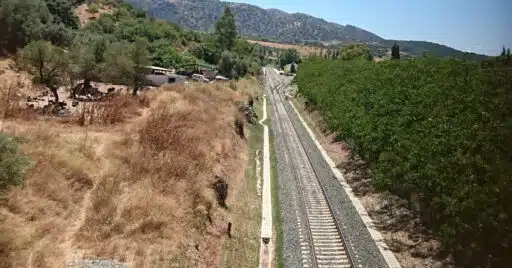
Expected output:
(287, 194)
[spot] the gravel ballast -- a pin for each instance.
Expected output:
(358, 239)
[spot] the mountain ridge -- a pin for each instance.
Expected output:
(280, 26)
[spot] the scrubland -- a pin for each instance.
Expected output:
(128, 179)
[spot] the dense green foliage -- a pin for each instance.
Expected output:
(439, 129)
(225, 30)
(238, 57)
(356, 51)
(288, 57)
(114, 47)
(62, 11)
(28, 20)
(12, 163)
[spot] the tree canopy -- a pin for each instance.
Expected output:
(48, 64)
(225, 29)
(434, 128)
(395, 52)
(356, 51)
(289, 56)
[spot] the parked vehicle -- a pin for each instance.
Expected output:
(200, 78)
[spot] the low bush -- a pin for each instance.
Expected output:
(93, 8)
(12, 164)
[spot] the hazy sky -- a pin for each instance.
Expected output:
(480, 26)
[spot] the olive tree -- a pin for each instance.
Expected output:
(87, 55)
(126, 64)
(48, 63)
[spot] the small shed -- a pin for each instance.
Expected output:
(162, 79)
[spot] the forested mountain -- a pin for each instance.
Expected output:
(277, 25)
(253, 21)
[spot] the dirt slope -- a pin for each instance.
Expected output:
(138, 191)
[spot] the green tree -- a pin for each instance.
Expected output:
(22, 22)
(289, 56)
(117, 66)
(508, 52)
(163, 54)
(244, 48)
(241, 68)
(395, 52)
(48, 64)
(126, 63)
(293, 69)
(87, 55)
(207, 52)
(12, 164)
(62, 11)
(139, 55)
(227, 64)
(356, 51)
(225, 30)
(504, 51)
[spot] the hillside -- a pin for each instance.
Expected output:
(253, 21)
(279, 26)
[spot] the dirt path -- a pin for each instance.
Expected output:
(71, 253)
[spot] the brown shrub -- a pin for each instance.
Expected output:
(250, 100)
(239, 126)
(113, 109)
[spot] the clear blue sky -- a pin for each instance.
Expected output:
(480, 26)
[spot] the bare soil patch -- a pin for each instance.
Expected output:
(84, 16)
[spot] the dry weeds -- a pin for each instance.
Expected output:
(138, 191)
(114, 109)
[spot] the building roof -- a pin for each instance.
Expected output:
(158, 68)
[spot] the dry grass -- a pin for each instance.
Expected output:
(113, 109)
(138, 191)
(14, 87)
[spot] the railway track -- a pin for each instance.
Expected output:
(321, 237)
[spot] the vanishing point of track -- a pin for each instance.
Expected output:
(322, 245)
